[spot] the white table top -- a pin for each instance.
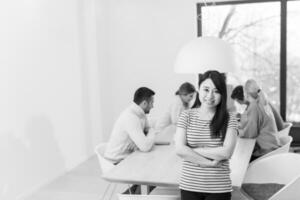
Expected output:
(161, 166)
(240, 160)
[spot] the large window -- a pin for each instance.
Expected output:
(254, 32)
(293, 61)
(265, 36)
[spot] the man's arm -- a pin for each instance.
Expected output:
(137, 135)
(147, 127)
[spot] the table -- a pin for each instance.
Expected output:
(161, 166)
(240, 160)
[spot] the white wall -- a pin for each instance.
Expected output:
(144, 38)
(64, 77)
(50, 115)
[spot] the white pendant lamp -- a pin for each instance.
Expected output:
(205, 53)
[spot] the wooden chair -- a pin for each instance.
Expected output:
(148, 197)
(282, 169)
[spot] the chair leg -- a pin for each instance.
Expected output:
(133, 189)
(105, 191)
(129, 189)
(112, 192)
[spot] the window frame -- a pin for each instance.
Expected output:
(283, 50)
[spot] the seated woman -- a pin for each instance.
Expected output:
(258, 121)
(183, 97)
(238, 96)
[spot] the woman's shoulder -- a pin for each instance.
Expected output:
(175, 102)
(190, 111)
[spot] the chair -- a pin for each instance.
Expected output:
(285, 142)
(148, 197)
(104, 163)
(105, 166)
(281, 171)
(286, 130)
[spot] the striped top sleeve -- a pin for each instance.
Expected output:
(183, 119)
(232, 122)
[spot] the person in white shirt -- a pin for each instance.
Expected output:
(131, 131)
(181, 102)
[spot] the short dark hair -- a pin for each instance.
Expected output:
(141, 94)
(238, 93)
(185, 88)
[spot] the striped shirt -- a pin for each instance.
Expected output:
(194, 177)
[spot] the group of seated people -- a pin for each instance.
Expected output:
(132, 131)
(206, 132)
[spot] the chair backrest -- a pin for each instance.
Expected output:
(148, 197)
(285, 142)
(290, 191)
(279, 168)
(104, 163)
(286, 130)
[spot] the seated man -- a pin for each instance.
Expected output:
(131, 131)
(258, 121)
(238, 96)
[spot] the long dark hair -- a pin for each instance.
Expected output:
(218, 125)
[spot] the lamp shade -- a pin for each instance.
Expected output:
(205, 53)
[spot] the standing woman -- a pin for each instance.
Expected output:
(181, 102)
(205, 139)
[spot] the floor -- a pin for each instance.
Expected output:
(82, 183)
